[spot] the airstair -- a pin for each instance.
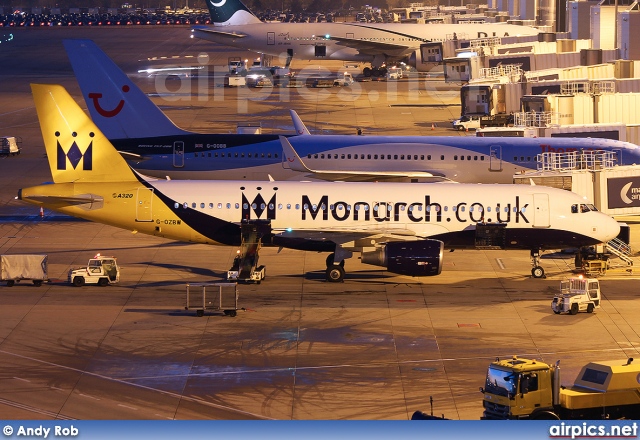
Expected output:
(245, 265)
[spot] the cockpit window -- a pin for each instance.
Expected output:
(584, 207)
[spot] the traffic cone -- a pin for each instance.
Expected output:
(433, 127)
(41, 212)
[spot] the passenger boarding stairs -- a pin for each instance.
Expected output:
(621, 250)
(251, 243)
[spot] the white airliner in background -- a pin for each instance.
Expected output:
(156, 147)
(403, 227)
(378, 44)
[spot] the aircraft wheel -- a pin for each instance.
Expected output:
(383, 71)
(78, 281)
(330, 259)
(10, 283)
(590, 308)
(335, 274)
(366, 71)
(574, 309)
(102, 282)
(37, 283)
(537, 272)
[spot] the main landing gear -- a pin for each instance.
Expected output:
(537, 271)
(335, 271)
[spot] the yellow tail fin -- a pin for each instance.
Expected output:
(77, 150)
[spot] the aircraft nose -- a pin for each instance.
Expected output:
(608, 229)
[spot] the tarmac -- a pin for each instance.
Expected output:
(377, 346)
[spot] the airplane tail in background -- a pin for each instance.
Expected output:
(230, 13)
(115, 103)
(77, 150)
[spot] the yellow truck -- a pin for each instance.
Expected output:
(521, 388)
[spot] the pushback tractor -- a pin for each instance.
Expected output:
(577, 295)
(100, 270)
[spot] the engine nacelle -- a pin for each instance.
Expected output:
(416, 258)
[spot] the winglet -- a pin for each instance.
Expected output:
(293, 160)
(117, 106)
(77, 151)
(299, 126)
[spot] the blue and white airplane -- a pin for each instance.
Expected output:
(156, 147)
(403, 227)
(378, 44)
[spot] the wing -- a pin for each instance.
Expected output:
(373, 47)
(357, 237)
(296, 163)
(210, 31)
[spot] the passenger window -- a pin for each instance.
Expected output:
(455, 157)
(442, 157)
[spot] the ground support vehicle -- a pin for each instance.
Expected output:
(577, 295)
(344, 79)
(20, 267)
(472, 122)
(100, 270)
(217, 300)
(521, 388)
(9, 146)
(245, 265)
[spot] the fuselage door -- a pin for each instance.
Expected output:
(271, 38)
(178, 154)
(495, 158)
(541, 211)
(144, 199)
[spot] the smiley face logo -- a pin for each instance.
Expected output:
(107, 113)
(218, 4)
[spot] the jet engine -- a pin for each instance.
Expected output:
(415, 258)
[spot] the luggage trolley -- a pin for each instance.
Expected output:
(216, 300)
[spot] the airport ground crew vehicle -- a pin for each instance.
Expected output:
(19, 267)
(577, 295)
(100, 270)
(245, 264)
(10, 145)
(521, 388)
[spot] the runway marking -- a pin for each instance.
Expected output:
(128, 407)
(90, 397)
(123, 382)
(500, 263)
(23, 380)
(35, 410)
